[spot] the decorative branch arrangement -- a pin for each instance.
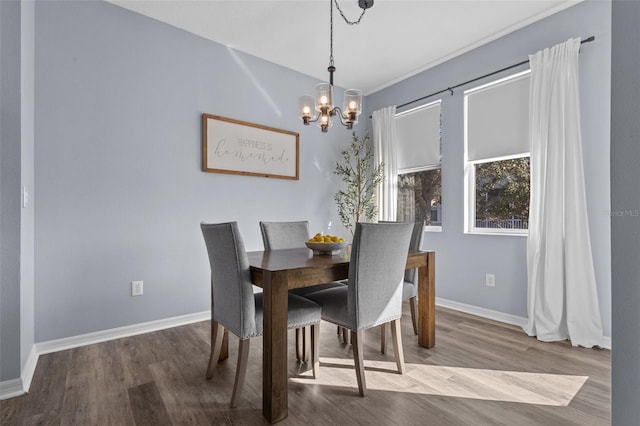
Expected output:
(356, 202)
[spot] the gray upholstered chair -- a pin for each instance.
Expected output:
(410, 286)
(284, 235)
(289, 235)
(373, 295)
(237, 308)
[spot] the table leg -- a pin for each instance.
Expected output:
(274, 357)
(427, 302)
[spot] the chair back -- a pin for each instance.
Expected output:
(232, 299)
(376, 273)
(284, 235)
(417, 235)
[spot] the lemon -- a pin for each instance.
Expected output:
(325, 238)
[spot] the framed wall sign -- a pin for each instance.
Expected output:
(239, 147)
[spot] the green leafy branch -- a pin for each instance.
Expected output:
(356, 202)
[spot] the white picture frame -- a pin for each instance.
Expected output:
(243, 148)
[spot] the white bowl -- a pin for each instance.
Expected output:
(326, 248)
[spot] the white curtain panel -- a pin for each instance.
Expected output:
(562, 294)
(384, 140)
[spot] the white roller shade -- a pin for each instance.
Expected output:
(418, 137)
(497, 118)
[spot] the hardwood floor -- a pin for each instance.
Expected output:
(480, 372)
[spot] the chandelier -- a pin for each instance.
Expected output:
(321, 108)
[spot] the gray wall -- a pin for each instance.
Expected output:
(27, 216)
(10, 190)
(505, 256)
(119, 187)
(625, 197)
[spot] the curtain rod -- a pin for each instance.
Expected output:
(450, 89)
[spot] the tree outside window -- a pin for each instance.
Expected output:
(420, 197)
(502, 194)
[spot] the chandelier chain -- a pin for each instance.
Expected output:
(331, 32)
(344, 17)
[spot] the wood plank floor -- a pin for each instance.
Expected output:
(480, 372)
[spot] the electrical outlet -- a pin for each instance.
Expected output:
(490, 280)
(136, 288)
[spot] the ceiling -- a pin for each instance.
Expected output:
(394, 40)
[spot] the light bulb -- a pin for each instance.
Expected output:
(323, 100)
(306, 110)
(352, 105)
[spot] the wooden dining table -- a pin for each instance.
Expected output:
(278, 271)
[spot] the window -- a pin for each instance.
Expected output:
(497, 156)
(419, 178)
(419, 197)
(502, 194)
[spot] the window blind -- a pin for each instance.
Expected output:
(497, 118)
(418, 137)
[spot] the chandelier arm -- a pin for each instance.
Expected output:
(348, 123)
(315, 118)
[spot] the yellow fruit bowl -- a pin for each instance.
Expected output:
(326, 248)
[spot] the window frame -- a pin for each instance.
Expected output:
(428, 228)
(470, 170)
(470, 199)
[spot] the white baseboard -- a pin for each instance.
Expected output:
(11, 388)
(498, 316)
(20, 386)
(29, 368)
(482, 312)
(117, 333)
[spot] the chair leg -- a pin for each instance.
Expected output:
(241, 371)
(224, 351)
(383, 338)
(217, 332)
(397, 345)
(306, 340)
(357, 342)
(299, 343)
(414, 314)
(315, 349)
